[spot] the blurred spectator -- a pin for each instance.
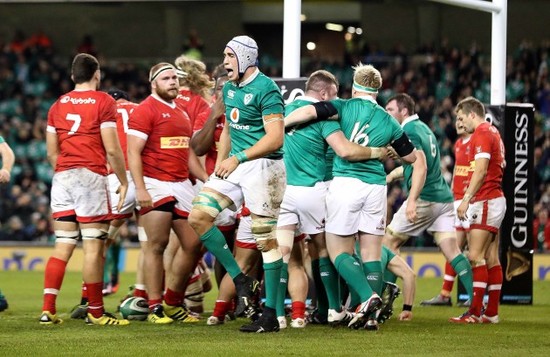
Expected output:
(541, 230)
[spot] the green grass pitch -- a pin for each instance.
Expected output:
(523, 331)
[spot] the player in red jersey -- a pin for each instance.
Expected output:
(160, 163)
(484, 205)
(459, 184)
(81, 138)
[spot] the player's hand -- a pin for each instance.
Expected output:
(462, 210)
(410, 211)
(4, 176)
(405, 316)
(392, 154)
(384, 154)
(143, 198)
(218, 108)
(121, 191)
(226, 167)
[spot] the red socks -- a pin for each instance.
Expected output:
(494, 287)
(174, 298)
(220, 309)
(53, 278)
(298, 310)
(95, 299)
(480, 284)
(448, 280)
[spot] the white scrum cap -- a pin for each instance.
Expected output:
(246, 52)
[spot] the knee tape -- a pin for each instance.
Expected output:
(67, 237)
(478, 263)
(441, 236)
(400, 236)
(262, 230)
(94, 233)
(208, 202)
(142, 236)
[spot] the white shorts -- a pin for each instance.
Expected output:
(354, 206)
(129, 204)
(80, 192)
(431, 217)
(260, 182)
(487, 215)
(244, 237)
(304, 207)
(165, 191)
(462, 225)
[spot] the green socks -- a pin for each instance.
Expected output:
(272, 276)
(463, 270)
(214, 241)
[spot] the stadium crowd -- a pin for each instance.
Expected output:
(33, 75)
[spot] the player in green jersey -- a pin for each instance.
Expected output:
(429, 205)
(356, 201)
(303, 206)
(250, 167)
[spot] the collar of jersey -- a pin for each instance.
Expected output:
(368, 97)
(409, 119)
(171, 105)
(249, 79)
(308, 99)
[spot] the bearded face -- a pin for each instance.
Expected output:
(166, 85)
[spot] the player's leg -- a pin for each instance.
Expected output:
(184, 263)
(494, 282)
(67, 234)
(263, 184)
(319, 315)
(285, 239)
(460, 264)
(297, 285)
(157, 224)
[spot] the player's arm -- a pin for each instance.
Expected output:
(319, 110)
(135, 147)
(203, 139)
(225, 146)
(52, 146)
(418, 178)
(400, 268)
(352, 151)
(404, 149)
(8, 159)
(196, 168)
(115, 157)
(478, 177)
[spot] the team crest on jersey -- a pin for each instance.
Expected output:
(230, 94)
(234, 115)
(248, 98)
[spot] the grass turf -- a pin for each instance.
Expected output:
(524, 330)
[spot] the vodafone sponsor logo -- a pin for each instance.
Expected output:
(67, 99)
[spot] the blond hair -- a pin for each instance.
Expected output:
(469, 105)
(194, 75)
(367, 76)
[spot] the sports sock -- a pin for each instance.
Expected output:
(220, 309)
(298, 310)
(494, 287)
(329, 277)
(53, 278)
(95, 299)
(281, 293)
(272, 276)
(463, 269)
(108, 264)
(353, 273)
(173, 298)
(320, 293)
(373, 272)
(116, 260)
(84, 296)
(448, 280)
(480, 284)
(140, 291)
(215, 242)
(153, 303)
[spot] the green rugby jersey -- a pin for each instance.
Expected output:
(245, 105)
(305, 148)
(365, 123)
(435, 188)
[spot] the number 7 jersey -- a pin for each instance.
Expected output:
(77, 118)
